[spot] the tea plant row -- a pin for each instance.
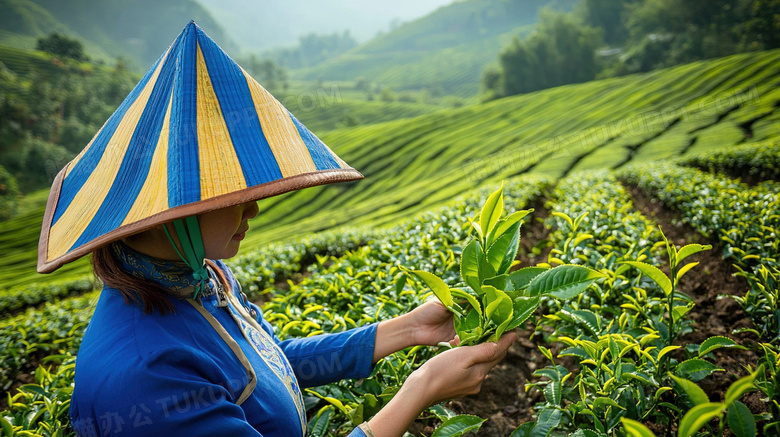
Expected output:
(746, 223)
(760, 161)
(630, 364)
(745, 220)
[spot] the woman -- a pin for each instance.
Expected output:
(160, 196)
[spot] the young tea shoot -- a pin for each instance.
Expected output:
(496, 300)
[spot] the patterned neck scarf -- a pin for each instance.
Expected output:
(175, 276)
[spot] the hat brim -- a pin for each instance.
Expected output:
(257, 192)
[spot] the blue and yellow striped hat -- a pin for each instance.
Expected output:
(196, 134)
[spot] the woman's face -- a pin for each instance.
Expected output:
(222, 231)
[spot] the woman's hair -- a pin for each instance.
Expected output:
(150, 295)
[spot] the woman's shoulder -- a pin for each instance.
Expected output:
(122, 331)
(122, 344)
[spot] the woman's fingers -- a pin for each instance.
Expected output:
(492, 351)
(459, 372)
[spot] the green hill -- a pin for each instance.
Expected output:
(138, 30)
(411, 165)
(448, 48)
(352, 112)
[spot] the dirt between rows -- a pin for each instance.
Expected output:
(712, 314)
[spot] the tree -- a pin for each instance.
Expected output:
(267, 72)
(60, 45)
(762, 30)
(561, 51)
(313, 49)
(387, 95)
(9, 194)
(521, 70)
(491, 80)
(609, 16)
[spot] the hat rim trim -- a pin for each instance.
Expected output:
(257, 192)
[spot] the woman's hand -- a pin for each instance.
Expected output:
(452, 374)
(459, 372)
(431, 324)
(428, 324)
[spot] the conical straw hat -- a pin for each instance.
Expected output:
(196, 134)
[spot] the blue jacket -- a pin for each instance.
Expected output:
(212, 368)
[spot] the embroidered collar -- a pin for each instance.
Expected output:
(175, 276)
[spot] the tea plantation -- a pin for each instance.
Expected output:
(665, 184)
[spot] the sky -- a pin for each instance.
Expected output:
(258, 25)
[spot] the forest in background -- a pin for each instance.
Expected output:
(138, 30)
(606, 38)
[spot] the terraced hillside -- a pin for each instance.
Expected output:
(324, 111)
(411, 165)
(449, 47)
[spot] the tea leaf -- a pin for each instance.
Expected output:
(500, 329)
(478, 228)
(697, 417)
(679, 311)
(486, 269)
(497, 252)
(655, 274)
(549, 372)
(552, 392)
(665, 351)
(563, 282)
(466, 325)
(442, 412)
(440, 289)
(469, 267)
(318, 425)
(565, 217)
(741, 420)
(499, 305)
(696, 369)
(684, 270)
(718, 342)
(604, 401)
(522, 308)
(738, 388)
(689, 250)
(694, 392)
(521, 278)
(635, 429)
(511, 251)
(523, 430)
(505, 223)
(491, 211)
(468, 296)
(548, 419)
(458, 425)
(501, 282)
